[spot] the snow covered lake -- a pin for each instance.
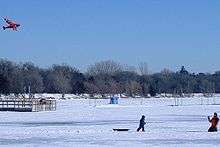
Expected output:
(84, 122)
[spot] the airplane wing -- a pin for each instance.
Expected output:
(9, 21)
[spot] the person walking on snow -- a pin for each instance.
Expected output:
(214, 122)
(142, 123)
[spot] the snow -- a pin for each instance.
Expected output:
(86, 122)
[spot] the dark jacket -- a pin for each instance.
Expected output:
(142, 122)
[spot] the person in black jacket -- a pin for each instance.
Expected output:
(142, 123)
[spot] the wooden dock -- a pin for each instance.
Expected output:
(27, 105)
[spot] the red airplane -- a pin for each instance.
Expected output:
(11, 25)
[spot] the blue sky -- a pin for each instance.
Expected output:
(165, 34)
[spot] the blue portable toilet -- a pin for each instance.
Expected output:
(114, 100)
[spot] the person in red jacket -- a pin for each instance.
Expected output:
(214, 122)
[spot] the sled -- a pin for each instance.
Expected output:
(121, 129)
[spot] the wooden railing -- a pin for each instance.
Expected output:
(27, 105)
(46, 105)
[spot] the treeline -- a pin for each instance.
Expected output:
(105, 77)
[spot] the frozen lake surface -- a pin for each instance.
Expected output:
(90, 123)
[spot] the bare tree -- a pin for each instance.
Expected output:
(133, 88)
(129, 68)
(91, 88)
(116, 88)
(103, 73)
(31, 77)
(166, 72)
(143, 68)
(104, 67)
(58, 79)
(12, 74)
